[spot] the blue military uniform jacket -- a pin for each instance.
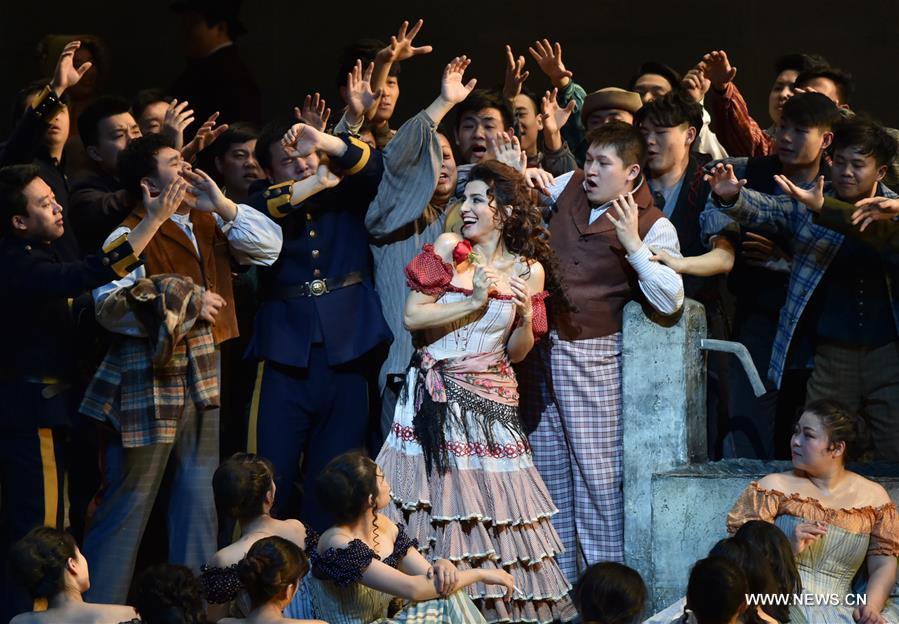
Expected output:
(324, 238)
(47, 306)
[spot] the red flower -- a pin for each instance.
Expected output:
(462, 251)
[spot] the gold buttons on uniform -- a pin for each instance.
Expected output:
(317, 273)
(316, 253)
(312, 234)
(308, 217)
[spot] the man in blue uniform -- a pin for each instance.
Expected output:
(320, 319)
(44, 298)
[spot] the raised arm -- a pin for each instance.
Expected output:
(549, 59)
(422, 309)
(745, 205)
(735, 128)
(28, 133)
(521, 341)
(557, 155)
(871, 220)
(663, 288)
(399, 49)
(413, 158)
(253, 239)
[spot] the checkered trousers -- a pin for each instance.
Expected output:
(576, 443)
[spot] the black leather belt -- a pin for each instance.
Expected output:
(315, 288)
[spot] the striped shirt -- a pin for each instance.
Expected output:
(400, 220)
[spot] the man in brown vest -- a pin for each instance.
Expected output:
(602, 225)
(200, 241)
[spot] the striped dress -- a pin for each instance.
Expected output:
(482, 503)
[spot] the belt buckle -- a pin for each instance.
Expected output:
(317, 288)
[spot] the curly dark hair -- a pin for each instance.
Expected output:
(38, 560)
(241, 484)
(169, 594)
(524, 232)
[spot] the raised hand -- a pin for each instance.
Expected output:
(625, 221)
(314, 113)
(506, 148)
(718, 69)
(539, 179)
(871, 209)
(205, 136)
(300, 140)
(359, 95)
(206, 196)
(167, 202)
(515, 75)
(483, 280)
(549, 59)
(66, 74)
(451, 88)
(813, 198)
(400, 47)
(724, 182)
(177, 118)
(553, 115)
(326, 178)
(695, 83)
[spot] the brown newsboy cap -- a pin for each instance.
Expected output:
(611, 97)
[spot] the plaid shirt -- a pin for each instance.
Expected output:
(813, 248)
(143, 383)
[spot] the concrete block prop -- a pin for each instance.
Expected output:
(663, 417)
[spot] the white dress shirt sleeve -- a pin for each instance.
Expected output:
(253, 237)
(663, 287)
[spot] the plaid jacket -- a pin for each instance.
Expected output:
(142, 384)
(813, 247)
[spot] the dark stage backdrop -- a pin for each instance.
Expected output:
(293, 46)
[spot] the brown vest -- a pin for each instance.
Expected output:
(171, 251)
(598, 278)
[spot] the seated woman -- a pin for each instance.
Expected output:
(764, 555)
(244, 489)
(836, 520)
(610, 593)
(716, 592)
(768, 544)
(48, 563)
(362, 562)
(168, 594)
(271, 573)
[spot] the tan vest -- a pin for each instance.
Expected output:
(598, 278)
(171, 251)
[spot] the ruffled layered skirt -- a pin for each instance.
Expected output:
(489, 508)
